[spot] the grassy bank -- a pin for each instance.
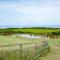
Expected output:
(54, 53)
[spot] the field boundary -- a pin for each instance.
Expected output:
(27, 53)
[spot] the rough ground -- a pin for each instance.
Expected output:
(54, 54)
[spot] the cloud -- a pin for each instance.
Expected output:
(31, 12)
(31, 9)
(38, 10)
(7, 6)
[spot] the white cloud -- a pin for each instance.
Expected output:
(7, 6)
(39, 10)
(30, 14)
(31, 9)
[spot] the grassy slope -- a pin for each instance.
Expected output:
(54, 54)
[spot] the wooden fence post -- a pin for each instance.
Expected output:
(35, 51)
(20, 49)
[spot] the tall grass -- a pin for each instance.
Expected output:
(31, 53)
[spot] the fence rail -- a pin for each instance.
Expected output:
(32, 51)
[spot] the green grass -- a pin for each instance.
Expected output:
(12, 40)
(8, 40)
(4, 40)
(54, 53)
(27, 54)
(53, 42)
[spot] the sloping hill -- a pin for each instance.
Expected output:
(54, 54)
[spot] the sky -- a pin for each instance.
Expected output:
(28, 13)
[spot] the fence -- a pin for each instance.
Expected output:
(24, 51)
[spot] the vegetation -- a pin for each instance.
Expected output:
(54, 53)
(28, 52)
(7, 37)
(34, 30)
(53, 43)
(5, 40)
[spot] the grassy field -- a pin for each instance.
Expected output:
(9, 53)
(54, 53)
(8, 40)
(13, 40)
(54, 44)
(7, 37)
(16, 40)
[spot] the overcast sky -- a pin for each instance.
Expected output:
(30, 13)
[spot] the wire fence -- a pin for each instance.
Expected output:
(23, 51)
